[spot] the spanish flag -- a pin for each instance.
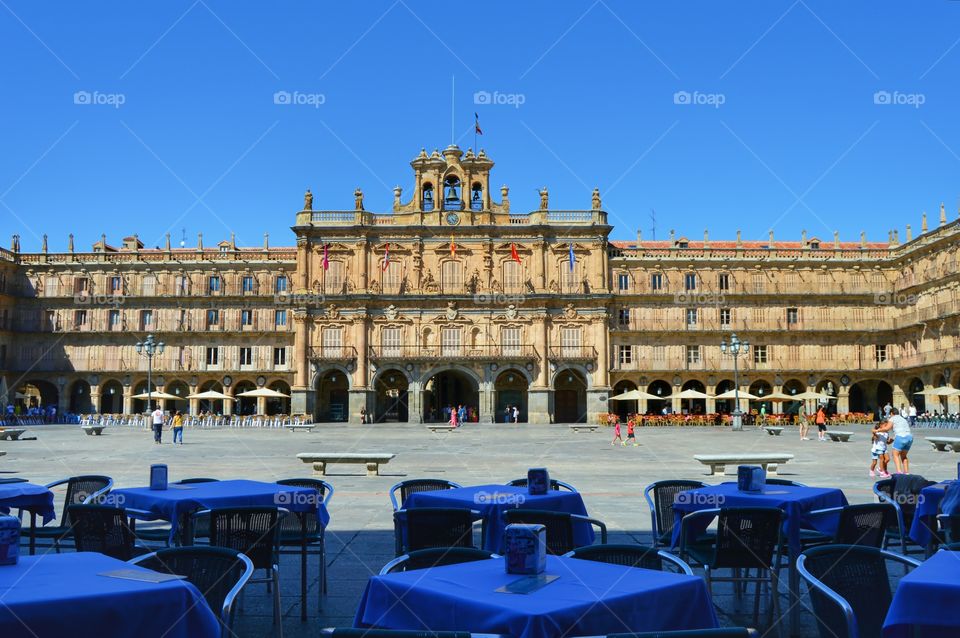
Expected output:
(326, 257)
(453, 247)
(386, 257)
(514, 255)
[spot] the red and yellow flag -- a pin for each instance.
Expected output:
(453, 247)
(514, 255)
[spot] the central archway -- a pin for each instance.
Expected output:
(111, 397)
(569, 397)
(80, 400)
(511, 388)
(659, 388)
(446, 389)
(333, 400)
(244, 406)
(624, 408)
(392, 386)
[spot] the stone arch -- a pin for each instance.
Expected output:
(570, 385)
(392, 386)
(447, 385)
(80, 400)
(111, 396)
(332, 384)
(660, 388)
(511, 386)
(181, 389)
(694, 406)
(624, 408)
(244, 406)
(279, 405)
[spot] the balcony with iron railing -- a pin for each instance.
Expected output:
(332, 353)
(573, 353)
(491, 352)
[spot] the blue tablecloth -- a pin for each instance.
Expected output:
(588, 598)
(64, 595)
(29, 497)
(927, 598)
(928, 506)
(177, 499)
(493, 500)
(795, 501)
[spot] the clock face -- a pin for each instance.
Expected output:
(453, 219)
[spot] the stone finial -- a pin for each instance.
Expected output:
(70, 242)
(896, 237)
(943, 215)
(890, 237)
(397, 192)
(923, 223)
(671, 235)
(706, 238)
(266, 241)
(505, 197)
(43, 247)
(233, 241)
(836, 239)
(803, 237)
(15, 243)
(595, 202)
(199, 241)
(909, 233)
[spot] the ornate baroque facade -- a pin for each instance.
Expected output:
(452, 298)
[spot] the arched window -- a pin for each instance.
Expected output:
(451, 193)
(476, 196)
(428, 196)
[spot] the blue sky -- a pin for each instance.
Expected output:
(719, 115)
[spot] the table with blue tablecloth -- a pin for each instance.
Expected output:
(588, 598)
(928, 506)
(493, 500)
(925, 603)
(28, 497)
(66, 595)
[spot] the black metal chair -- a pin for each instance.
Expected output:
(951, 547)
(631, 556)
(406, 488)
(661, 506)
(81, 490)
(428, 527)
(301, 531)
(345, 632)
(554, 484)
(747, 538)
(949, 528)
(219, 573)
(849, 588)
(560, 527)
(103, 529)
(435, 557)
(906, 507)
(160, 533)
(862, 524)
(725, 632)
(255, 532)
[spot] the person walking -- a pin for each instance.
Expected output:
(616, 433)
(516, 414)
(804, 424)
(157, 425)
(507, 414)
(821, 421)
(902, 439)
(453, 417)
(630, 434)
(912, 415)
(177, 423)
(878, 453)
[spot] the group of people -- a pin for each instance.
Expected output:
(511, 414)
(893, 432)
(159, 419)
(631, 434)
(48, 412)
(458, 415)
(820, 419)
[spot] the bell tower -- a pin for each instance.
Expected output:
(453, 181)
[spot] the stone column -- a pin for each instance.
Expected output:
(363, 264)
(539, 395)
(486, 397)
(601, 340)
(303, 260)
(261, 405)
(127, 401)
(843, 400)
(95, 398)
(536, 277)
(711, 406)
(228, 405)
(414, 402)
(302, 395)
(361, 397)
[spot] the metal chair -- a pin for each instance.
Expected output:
(255, 532)
(406, 488)
(554, 484)
(337, 632)
(951, 547)
(560, 527)
(725, 632)
(428, 527)
(863, 524)
(219, 573)
(849, 588)
(949, 528)
(747, 538)
(631, 556)
(435, 557)
(906, 507)
(661, 506)
(103, 529)
(81, 490)
(302, 530)
(161, 533)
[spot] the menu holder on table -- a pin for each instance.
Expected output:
(526, 547)
(538, 481)
(527, 584)
(158, 476)
(142, 576)
(751, 478)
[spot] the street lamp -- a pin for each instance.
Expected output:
(149, 347)
(735, 348)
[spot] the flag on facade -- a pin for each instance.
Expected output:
(453, 247)
(326, 257)
(476, 124)
(386, 257)
(573, 258)
(514, 255)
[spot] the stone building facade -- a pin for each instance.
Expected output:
(451, 298)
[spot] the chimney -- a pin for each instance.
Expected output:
(739, 239)
(266, 241)
(770, 238)
(909, 233)
(70, 242)
(836, 239)
(671, 236)
(863, 240)
(15, 243)
(168, 242)
(896, 237)
(923, 223)
(706, 238)
(200, 242)
(803, 238)
(43, 247)
(233, 241)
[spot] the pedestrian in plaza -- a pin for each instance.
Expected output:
(821, 421)
(453, 417)
(887, 409)
(804, 424)
(363, 415)
(157, 425)
(902, 439)
(912, 415)
(516, 414)
(616, 432)
(177, 425)
(630, 434)
(763, 414)
(461, 414)
(507, 414)
(878, 454)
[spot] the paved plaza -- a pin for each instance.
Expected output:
(360, 535)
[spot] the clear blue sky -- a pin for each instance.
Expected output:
(799, 141)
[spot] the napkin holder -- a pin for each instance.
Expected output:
(538, 481)
(158, 476)
(526, 549)
(9, 540)
(751, 478)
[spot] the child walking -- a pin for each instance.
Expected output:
(878, 453)
(616, 433)
(630, 434)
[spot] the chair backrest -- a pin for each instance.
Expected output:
(103, 529)
(630, 556)
(559, 527)
(219, 573)
(428, 527)
(434, 557)
(253, 531)
(747, 537)
(554, 484)
(865, 524)
(291, 524)
(393, 633)
(660, 496)
(951, 528)
(406, 488)
(725, 632)
(88, 488)
(952, 547)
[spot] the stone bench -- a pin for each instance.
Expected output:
(320, 461)
(93, 429)
(839, 435)
(11, 434)
(295, 427)
(577, 427)
(718, 462)
(944, 443)
(441, 427)
(773, 430)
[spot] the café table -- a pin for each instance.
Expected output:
(925, 603)
(795, 500)
(587, 598)
(928, 506)
(493, 500)
(28, 497)
(69, 595)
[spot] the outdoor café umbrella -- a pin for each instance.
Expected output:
(211, 395)
(939, 392)
(157, 395)
(692, 394)
(778, 397)
(813, 396)
(264, 392)
(731, 394)
(633, 395)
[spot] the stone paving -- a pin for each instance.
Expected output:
(360, 535)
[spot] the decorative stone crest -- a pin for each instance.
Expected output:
(333, 312)
(570, 311)
(452, 311)
(512, 312)
(391, 312)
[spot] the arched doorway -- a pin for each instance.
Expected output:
(623, 409)
(177, 389)
(80, 401)
(279, 405)
(919, 401)
(392, 395)
(870, 395)
(244, 406)
(333, 396)
(37, 394)
(140, 405)
(724, 406)
(791, 387)
(569, 397)
(761, 389)
(694, 406)
(211, 406)
(511, 391)
(659, 388)
(111, 397)
(830, 388)
(449, 388)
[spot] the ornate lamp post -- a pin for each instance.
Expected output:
(149, 347)
(736, 348)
